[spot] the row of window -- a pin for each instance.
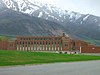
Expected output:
(38, 43)
(40, 38)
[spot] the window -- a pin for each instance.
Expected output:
(34, 42)
(55, 38)
(32, 38)
(35, 39)
(46, 43)
(23, 38)
(17, 43)
(20, 43)
(20, 38)
(28, 42)
(40, 42)
(31, 43)
(11, 44)
(43, 42)
(66, 45)
(45, 38)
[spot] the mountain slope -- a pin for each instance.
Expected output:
(23, 17)
(14, 23)
(45, 11)
(74, 23)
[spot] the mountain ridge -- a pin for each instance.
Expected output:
(72, 23)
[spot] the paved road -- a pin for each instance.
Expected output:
(73, 68)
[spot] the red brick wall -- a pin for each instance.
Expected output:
(90, 49)
(86, 47)
(7, 45)
(48, 43)
(11, 45)
(3, 45)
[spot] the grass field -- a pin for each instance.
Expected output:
(8, 58)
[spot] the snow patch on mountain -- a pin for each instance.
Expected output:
(45, 11)
(51, 16)
(36, 3)
(78, 16)
(73, 15)
(40, 15)
(9, 4)
(49, 8)
(21, 5)
(95, 20)
(85, 17)
(81, 22)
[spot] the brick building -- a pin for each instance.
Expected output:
(43, 43)
(48, 43)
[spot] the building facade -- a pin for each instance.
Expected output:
(43, 43)
(48, 43)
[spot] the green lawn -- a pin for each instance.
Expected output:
(8, 58)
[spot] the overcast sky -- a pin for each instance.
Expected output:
(82, 6)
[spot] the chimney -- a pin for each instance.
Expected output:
(63, 34)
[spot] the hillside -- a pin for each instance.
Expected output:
(22, 17)
(13, 23)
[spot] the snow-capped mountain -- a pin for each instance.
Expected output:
(81, 25)
(46, 11)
